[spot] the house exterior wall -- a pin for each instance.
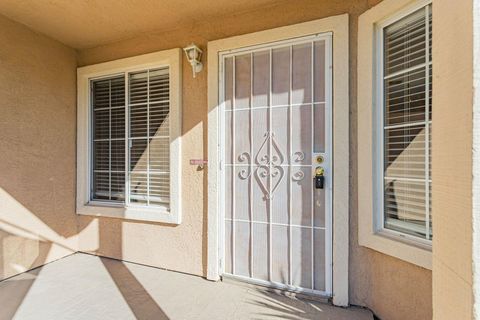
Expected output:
(453, 228)
(392, 288)
(37, 149)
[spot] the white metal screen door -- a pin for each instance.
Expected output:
(276, 125)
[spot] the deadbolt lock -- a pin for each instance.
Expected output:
(319, 177)
(319, 159)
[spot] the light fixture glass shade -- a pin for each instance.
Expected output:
(194, 56)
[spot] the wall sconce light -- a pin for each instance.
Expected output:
(194, 56)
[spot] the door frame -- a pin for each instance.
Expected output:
(338, 27)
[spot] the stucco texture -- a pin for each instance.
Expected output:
(37, 163)
(452, 152)
(392, 288)
(37, 149)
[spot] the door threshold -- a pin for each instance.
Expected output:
(279, 289)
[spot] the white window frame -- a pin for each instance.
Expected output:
(379, 121)
(85, 206)
(371, 230)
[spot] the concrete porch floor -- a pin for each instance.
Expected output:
(87, 287)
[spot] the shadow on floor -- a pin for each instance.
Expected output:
(83, 286)
(291, 308)
(138, 299)
(11, 300)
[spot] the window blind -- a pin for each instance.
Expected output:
(108, 100)
(148, 136)
(407, 123)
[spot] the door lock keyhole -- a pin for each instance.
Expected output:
(319, 178)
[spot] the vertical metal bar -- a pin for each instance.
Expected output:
(289, 142)
(427, 124)
(312, 66)
(270, 220)
(127, 140)
(222, 151)
(110, 139)
(379, 222)
(250, 185)
(148, 137)
(233, 168)
(91, 141)
(328, 147)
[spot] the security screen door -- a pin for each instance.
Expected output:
(276, 124)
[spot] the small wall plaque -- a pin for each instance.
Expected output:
(198, 162)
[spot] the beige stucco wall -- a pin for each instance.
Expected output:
(392, 288)
(37, 162)
(452, 160)
(37, 149)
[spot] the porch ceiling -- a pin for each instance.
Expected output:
(86, 24)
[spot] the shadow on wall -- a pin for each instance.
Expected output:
(26, 240)
(26, 246)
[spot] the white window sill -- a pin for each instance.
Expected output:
(398, 246)
(129, 213)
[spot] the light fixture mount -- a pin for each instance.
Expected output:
(194, 56)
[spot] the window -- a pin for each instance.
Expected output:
(129, 127)
(146, 180)
(407, 114)
(394, 129)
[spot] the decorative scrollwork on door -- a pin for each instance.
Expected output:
(269, 159)
(263, 157)
(298, 156)
(244, 174)
(244, 157)
(298, 176)
(263, 174)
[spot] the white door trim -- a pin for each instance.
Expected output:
(338, 26)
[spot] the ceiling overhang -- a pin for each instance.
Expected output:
(88, 24)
